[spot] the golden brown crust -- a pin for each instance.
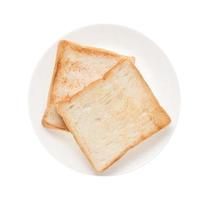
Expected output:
(50, 98)
(87, 49)
(47, 125)
(63, 44)
(154, 99)
(130, 147)
(166, 119)
(91, 85)
(68, 124)
(107, 75)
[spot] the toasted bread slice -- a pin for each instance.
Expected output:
(76, 66)
(113, 114)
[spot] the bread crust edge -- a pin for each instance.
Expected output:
(166, 119)
(60, 48)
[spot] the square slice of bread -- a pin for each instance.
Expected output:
(76, 66)
(113, 114)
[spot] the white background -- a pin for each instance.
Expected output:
(28, 28)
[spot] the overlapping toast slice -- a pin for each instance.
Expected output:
(76, 66)
(113, 114)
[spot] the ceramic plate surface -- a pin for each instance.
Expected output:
(153, 65)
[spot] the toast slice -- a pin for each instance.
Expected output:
(113, 114)
(76, 66)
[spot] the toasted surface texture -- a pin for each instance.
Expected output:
(113, 114)
(76, 66)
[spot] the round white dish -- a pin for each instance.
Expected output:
(153, 65)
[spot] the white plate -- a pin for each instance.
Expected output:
(154, 66)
